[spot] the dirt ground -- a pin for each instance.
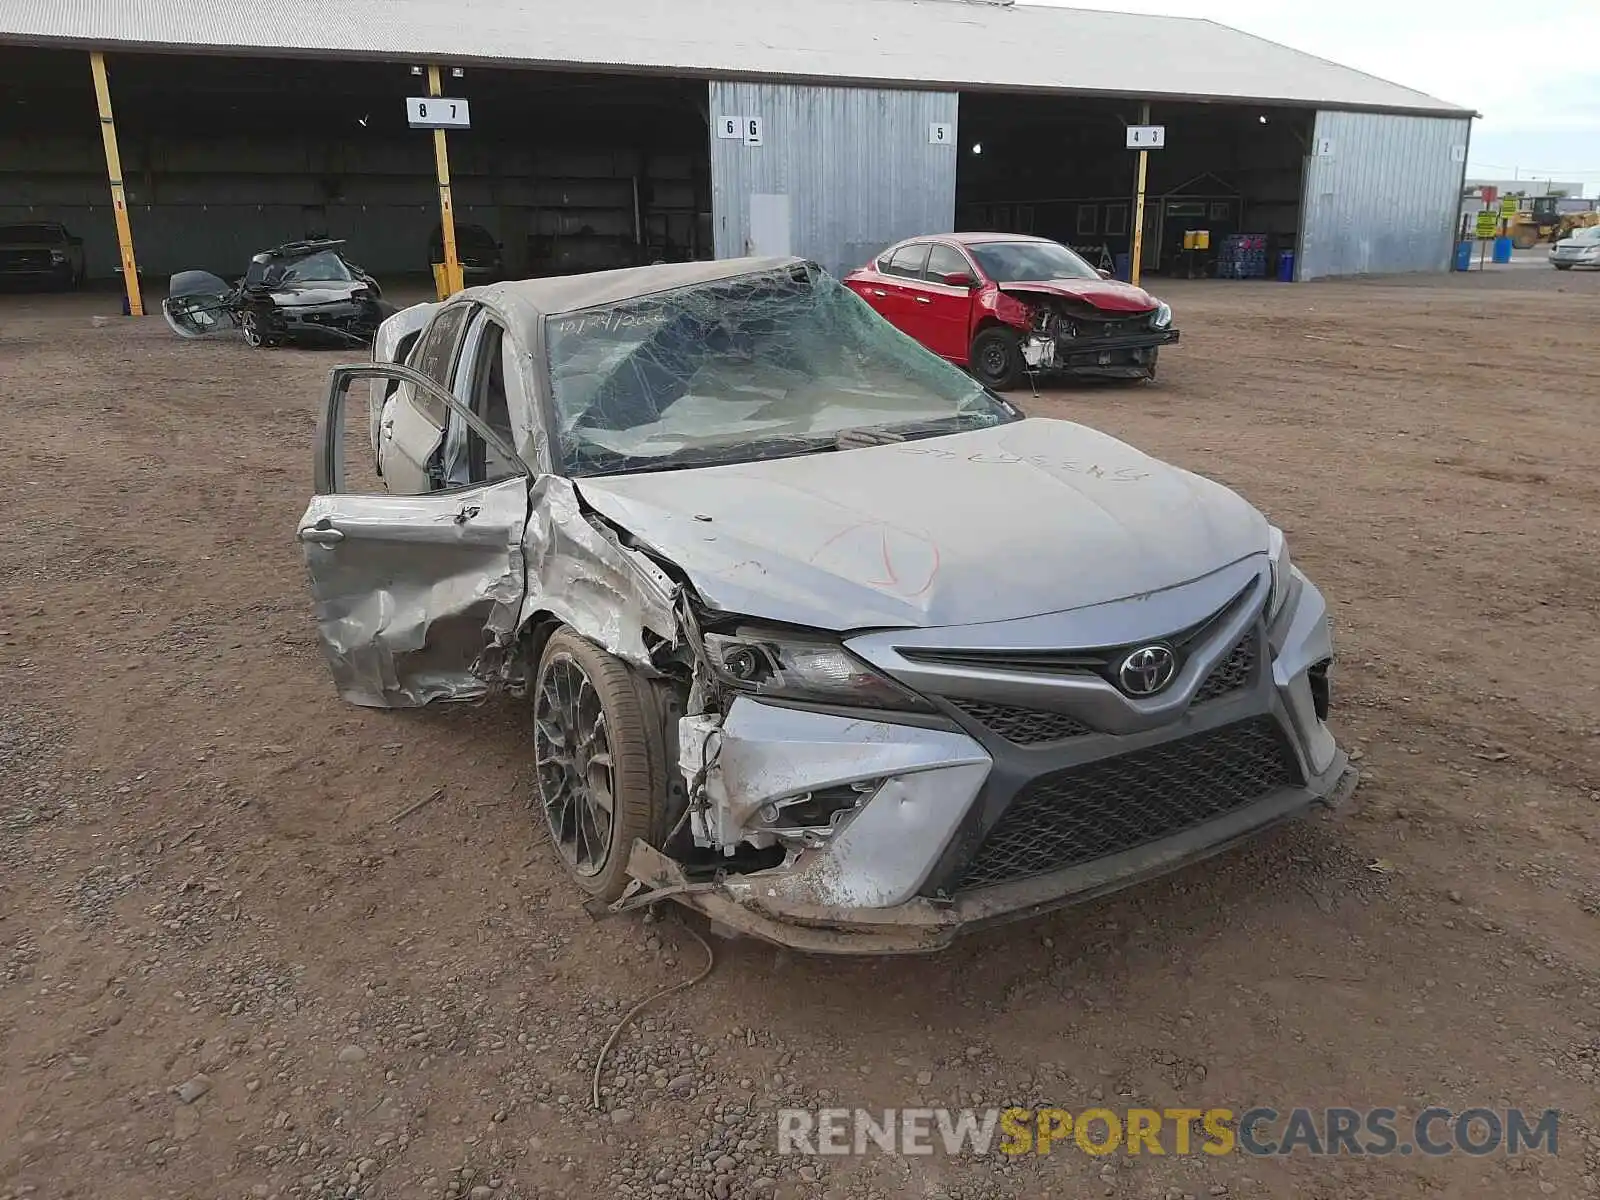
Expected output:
(201, 872)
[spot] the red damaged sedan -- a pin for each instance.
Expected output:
(1006, 306)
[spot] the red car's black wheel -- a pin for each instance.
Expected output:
(996, 359)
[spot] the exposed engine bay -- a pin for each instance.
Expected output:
(1069, 334)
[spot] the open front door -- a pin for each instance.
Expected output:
(414, 594)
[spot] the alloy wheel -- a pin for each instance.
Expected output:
(572, 750)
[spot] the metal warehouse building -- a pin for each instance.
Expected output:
(614, 132)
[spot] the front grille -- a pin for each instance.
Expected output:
(1033, 662)
(1022, 726)
(1116, 804)
(1232, 673)
(1102, 661)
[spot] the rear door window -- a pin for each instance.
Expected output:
(908, 261)
(435, 357)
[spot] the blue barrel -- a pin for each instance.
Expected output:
(1120, 267)
(1464, 256)
(1286, 267)
(1502, 250)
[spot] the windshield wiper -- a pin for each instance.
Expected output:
(908, 431)
(611, 462)
(855, 439)
(598, 460)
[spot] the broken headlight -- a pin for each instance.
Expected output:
(786, 665)
(1285, 579)
(1162, 317)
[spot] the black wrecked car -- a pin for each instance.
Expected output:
(300, 292)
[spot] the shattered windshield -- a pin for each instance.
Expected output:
(323, 267)
(755, 367)
(1024, 262)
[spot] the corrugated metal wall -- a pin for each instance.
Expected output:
(846, 170)
(1382, 194)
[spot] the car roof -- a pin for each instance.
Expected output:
(973, 239)
(964, 239)
(297, 249)
(533, 298)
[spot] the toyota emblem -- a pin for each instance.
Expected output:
(1147, 671)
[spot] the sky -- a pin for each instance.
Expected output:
(1532, 70)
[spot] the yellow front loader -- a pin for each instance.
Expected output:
(1537, 221)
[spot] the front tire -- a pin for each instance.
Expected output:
(1562, 266)
(599, 781)
(256, 331)
(996, 359)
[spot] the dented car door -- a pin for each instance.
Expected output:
(414, 594)
(947, 306)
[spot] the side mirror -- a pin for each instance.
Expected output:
(1104, 274)
(959, 279)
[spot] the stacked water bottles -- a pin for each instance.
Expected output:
(1243, 256)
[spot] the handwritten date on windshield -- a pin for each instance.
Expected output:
(615, 321)
(1093, 470)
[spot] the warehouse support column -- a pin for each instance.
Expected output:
(1136, 259)
(453, 279)
(119, 198)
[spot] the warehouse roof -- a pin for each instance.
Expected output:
(974, 44)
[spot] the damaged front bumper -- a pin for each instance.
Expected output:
(1026, 793)
(1127, 355)
(349, 322)
(922, 925)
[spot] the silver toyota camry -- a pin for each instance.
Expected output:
(815, 634)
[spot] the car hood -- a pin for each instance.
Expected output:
(1574, 244)
(1032, 517)
(1111, 295)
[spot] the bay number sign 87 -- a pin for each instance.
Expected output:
(438, 112)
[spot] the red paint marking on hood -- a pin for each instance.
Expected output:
(1112, 295)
